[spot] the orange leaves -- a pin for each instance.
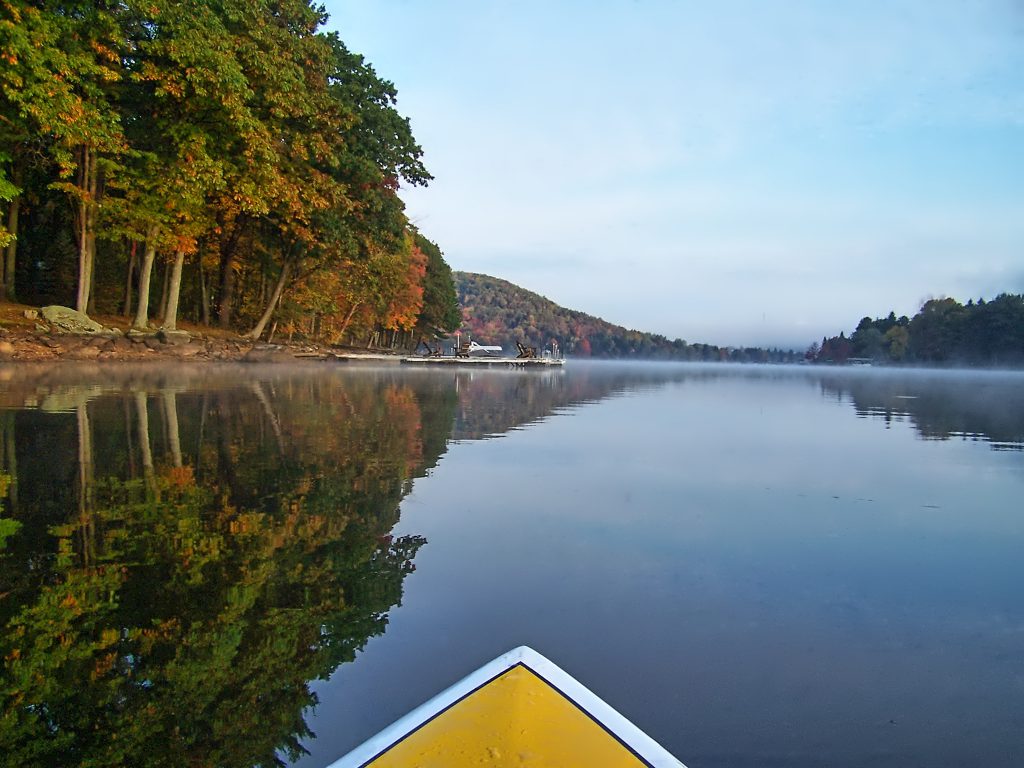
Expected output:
(69, 601)
(407, 301)
(185, 243)
(104, 51)
(180, 477)
(403, 409)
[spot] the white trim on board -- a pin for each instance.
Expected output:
(639, 742)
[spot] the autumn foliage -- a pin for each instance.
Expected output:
(231, 163)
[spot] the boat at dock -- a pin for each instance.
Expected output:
(486, 362)
(518, 710)
(470, 353)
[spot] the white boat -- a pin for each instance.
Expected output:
(518, 710)
(483, 349)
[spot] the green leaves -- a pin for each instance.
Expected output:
(440, 314)
(235, 129)
(7, 529)
(178, 618)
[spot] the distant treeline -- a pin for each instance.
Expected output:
(944, 331)
(496, 311)
(229, 162)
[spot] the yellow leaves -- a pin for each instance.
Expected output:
(246, 524)
(109, 636)
(14, 11)
(163, 629)
(104, 51)
(172, 88)
(147, 72)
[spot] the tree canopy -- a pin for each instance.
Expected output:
(943, 332)
(228, 161)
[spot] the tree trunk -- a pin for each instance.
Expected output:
(282, 279)
(204, 291)
(85, 477)
(162, 314)
(129, 280)
(10, 254)
(91, 306)
(201, 432)
(147, 455)
(227, 292)
(348, 319)
(82, 298)
(275, 423)
(129, 442)
(145, 277)
(171, 311)
(171, 415)
(226, 272)
(86, 226)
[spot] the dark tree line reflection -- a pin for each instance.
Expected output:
(183, 552)
(986, 407)
(180, 564)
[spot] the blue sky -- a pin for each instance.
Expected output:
(731, 172)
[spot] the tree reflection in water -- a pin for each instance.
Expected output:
(183, 552)
(186, 563)
(986, 407)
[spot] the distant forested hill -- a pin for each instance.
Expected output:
(498, 312)
(943, 332)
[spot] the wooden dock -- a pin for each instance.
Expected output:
(486, 362)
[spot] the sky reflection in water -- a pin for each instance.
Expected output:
(758, 566)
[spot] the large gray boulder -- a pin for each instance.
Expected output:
(67, 320)
(176, 338)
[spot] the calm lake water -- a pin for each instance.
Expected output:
(759, 566)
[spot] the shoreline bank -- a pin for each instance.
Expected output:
(18, 346)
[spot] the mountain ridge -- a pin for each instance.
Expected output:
(497, 311)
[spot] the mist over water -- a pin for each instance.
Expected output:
(757, 565)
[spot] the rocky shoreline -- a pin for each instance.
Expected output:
(45, 347)
(70, 336)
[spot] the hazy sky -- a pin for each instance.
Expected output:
(724, 172)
